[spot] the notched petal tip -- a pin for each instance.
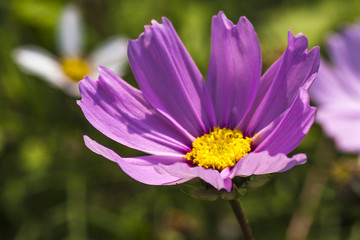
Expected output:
(220, 13)
(301, 41)
(244, 20)
(154, 23)
(298, 41)
(244, 23)
(102, 69)
(166, 21)
(143, 39)
(85, 80)
(83, 85)
(132, 43)
(221, 18)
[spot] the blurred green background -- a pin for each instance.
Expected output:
(53, 187)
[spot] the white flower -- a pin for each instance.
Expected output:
(66, 71)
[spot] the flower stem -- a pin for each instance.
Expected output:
(240, 216)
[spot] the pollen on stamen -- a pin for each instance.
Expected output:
(219, 149)
(75, 68)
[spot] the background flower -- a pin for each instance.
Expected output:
(337, 89)
(72, 65)
(175, 105)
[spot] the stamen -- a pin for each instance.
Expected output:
(219, 149)
(75, 68)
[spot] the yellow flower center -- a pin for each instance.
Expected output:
(75, 68)
(219, 149)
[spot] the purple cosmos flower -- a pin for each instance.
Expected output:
(237, 123)
(337, 90)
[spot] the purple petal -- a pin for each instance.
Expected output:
(160, 170)
(141, 169)
(211, 176)
(264, 163)
(169, 79)
(287, 131)
(120, 112)
(342, 122)
(337, 89)
(234, 68)
(280, 84)
(344, 49)
(331, 85)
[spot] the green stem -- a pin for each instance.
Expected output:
(240, 216)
